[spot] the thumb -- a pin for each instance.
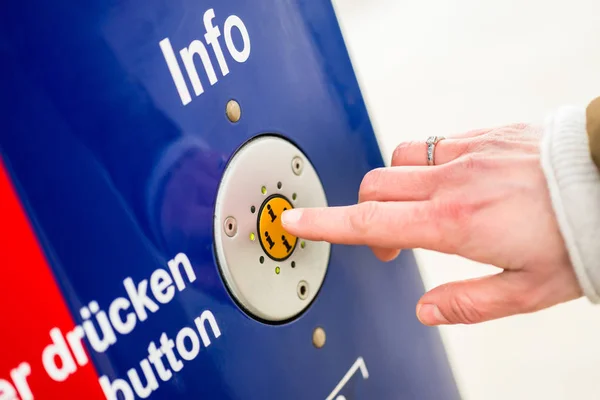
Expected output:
(476, 300)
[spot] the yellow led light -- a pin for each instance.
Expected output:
(263, 190)
(275, 241)
(252, 237)
(303, 244)
(277, 270)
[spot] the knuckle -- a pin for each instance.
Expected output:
(452, 218)
(444, 174)
(400, 153)
(478, 145)
(468, 163)
(465, 147)
(360, 221)
(519, 126)
(476, 161)
(456, 209)
(514, 133)
(462, 309)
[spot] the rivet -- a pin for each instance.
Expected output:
(233, 111)
(319, 337)
(230, 226)
(302, 290)
(297, 165)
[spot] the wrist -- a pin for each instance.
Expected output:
(593, 130)
(574, 185)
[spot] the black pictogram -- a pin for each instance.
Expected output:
(269, 240)
(271, 213)
(287, 245)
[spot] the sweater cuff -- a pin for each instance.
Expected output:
(574, 184)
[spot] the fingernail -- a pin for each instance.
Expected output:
(290, 217)
(429, 314)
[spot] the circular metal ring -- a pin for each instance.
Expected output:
(431, 142)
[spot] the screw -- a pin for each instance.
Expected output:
(233, 111)
(302, 290)
(319, 337)
(230, 226)
(297, 165)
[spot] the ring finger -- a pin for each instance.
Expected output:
(415, 154)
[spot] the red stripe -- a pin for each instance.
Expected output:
(30, 306)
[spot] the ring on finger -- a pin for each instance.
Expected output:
(431, 142)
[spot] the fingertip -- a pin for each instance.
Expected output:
(385, 255)
(290, 218)
(418, 313)
(430, 315)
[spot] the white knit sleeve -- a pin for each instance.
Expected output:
(574, 183)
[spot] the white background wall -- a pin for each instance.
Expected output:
(440, 67)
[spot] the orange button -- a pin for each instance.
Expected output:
(276, 242)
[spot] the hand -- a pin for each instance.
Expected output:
(486, 199)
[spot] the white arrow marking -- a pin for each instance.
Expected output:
(359, 363)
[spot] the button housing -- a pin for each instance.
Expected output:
(263, 272)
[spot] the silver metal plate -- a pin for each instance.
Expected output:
(271, 290)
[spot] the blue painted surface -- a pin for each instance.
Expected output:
(119, 177)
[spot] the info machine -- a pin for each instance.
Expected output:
(148, 150)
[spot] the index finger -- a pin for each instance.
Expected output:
(394, 225)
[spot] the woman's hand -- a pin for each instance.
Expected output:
(486, 199)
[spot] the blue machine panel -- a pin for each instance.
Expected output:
(117, 147)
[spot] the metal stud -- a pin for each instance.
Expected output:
(302, 290)
(233, 111)
(297, 165)
(319, 337)
(230, 226)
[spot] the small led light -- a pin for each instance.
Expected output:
(252, 236)
(294, 196)
(263, 190)
(303, 244)
(277, 270)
